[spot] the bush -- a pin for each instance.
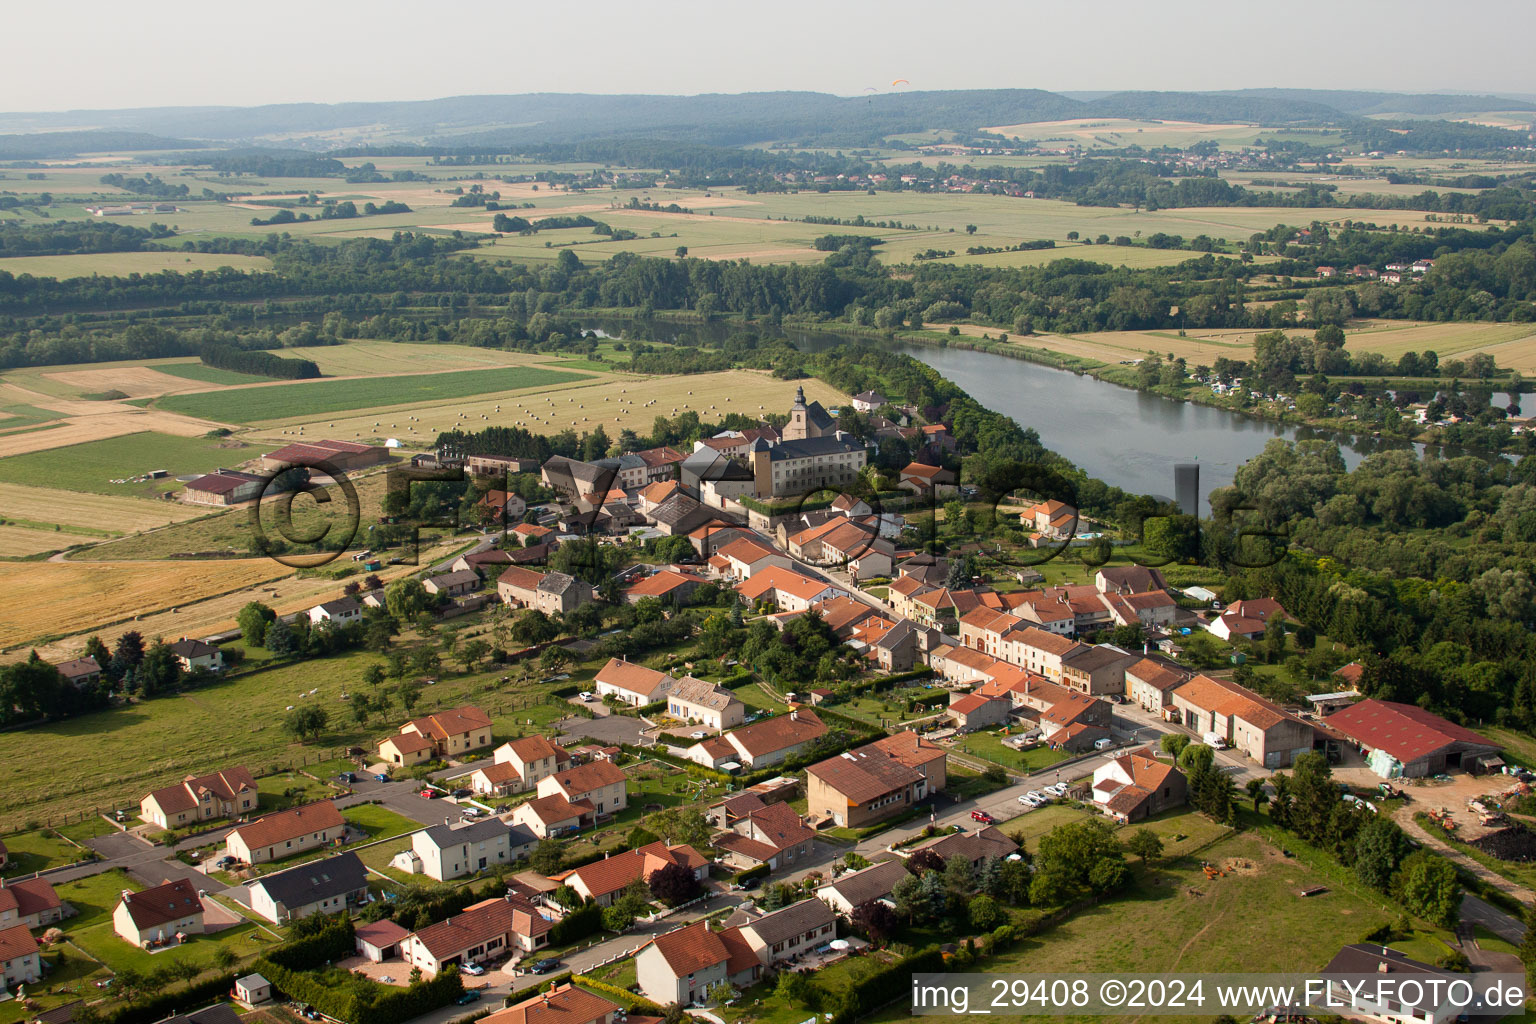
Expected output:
(622, 996)
(886, 985)
(165, 1004)
(577, 925)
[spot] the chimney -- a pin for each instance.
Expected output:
(794, 716)
(1382, 967)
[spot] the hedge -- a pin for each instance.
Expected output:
(753, 872)
(577, 925)
(335, 941)
(264, 364)
(626, 998)
(886, 985)
(362, 1001)
(165, 1004)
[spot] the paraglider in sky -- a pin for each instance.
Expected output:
(901, 81)
(869, 88)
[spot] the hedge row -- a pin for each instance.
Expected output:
(263, 364)
(577, 925)
(759, 871)
(886, 985)
(623, 997)
(365, 1002)
(165, 1004)
(553, 981)
(336, 940)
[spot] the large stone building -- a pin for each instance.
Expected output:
(813, 454)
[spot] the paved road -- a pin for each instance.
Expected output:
(1478, 911)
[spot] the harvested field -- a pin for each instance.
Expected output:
(615, 403)
(373, 358)
(93, 465)
(20, 541)
(92, 511)
(57, 598)
(280, 402)
(133, 381)
(117, 264)
(81, 429)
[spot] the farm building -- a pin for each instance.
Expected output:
(1405, 741)
(223, 487)
(342, 455)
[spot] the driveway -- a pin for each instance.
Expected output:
(610, 730)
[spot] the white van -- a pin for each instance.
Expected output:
(1215, 740)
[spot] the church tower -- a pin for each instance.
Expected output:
(795, 429)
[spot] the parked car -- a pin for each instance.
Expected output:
(474, 969)
(428, 794)
(471, 996)
(983, 817)
(1036, 798)
(1057, 789)
(381, 777)
(461, 792)
(544, 966)
(348, 777)
(588, 695)
(750, 883)
(471, 812)
(1025, 800)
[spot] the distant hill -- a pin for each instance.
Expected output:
(711, 119)
(55, 145)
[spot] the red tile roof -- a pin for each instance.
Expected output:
(1405, 731)
(167, 902)
(480, 922)
(773, 734)
(290, 824)
(226, 785)
(16, 943)
(588, 777)
(28, 896)
(552, 810)
(691, 949)
(565, 1004)
(633, 677)
(442, 724)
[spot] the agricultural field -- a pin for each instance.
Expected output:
(89, 514)
(155, 742)
(21, 541)
(1119, 132)
(229, 531)
(1512, 345)
(378, 358)
(121, 264)
(615, 403)
(92, 466)
(211, 374)
(140, 381)
(276, 402)
(59, 598)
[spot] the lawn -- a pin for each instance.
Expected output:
(211, 374)
(289, 789)
(71, 975)
(229, 722)
(120, 264)
(37, 850)
(94, 465)
(319, 397)
(989, 745)
(379, 822)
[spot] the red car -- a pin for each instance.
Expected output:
(428, 794)
(983, 817)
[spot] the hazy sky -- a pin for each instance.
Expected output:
(179, 52)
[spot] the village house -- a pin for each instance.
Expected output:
(1136, 785)
(905, 645)
(786, 589)
(748, 555)
(1243, 720)
(195, 654)
(973, 711)
(697, 702)
(1128, 579)
(329, 886)
(1043, 653)
(859, 549)
(453, 584)
(80, 672)
(1054, 520)
(225, 794)
(377, 941)
(485, 931)
(340, 612)
(600, 783)
(973, 846)
(1246, 619)
(681, 966)
(785, 933)
(499, 506)
(285, 833)
(860, 787)
(548, 816)
(552, 593)
(520, 765)
(20, 959)
(30, 902)
(851, 890)
(1096, 670)
(669, 586)
(603, 881)
(441, 734)
(562, 1004)
(928, 481)
(868, 401)
(159, 914)
(448, 851)
(1150, 683)
(631, 683)
(1424, 993)
(773, 740)
(773, 835)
